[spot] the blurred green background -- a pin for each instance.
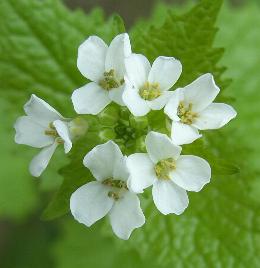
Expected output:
(26, 241)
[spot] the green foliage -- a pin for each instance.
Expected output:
(189, 38)
(37, 55)
(38, 50)
(220, 228)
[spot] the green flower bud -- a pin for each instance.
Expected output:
(78, 127)
(107, 134)
(109, 116)
(140, 122)
(140, 144)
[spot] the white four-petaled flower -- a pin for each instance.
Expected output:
(147, 88)
(105, 67)
(191, 109)
(170, 173)
(42, 127)
(109, 194)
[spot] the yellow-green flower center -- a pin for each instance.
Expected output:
(186, 114)
(110, 81)
(164, 167)
(53, 132)
(150, 91)
(118, 185)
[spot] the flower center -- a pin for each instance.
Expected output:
(119, 187)
(130, 130)
(185, 113)
(150, 91)
(110, 81)
(53, 132)
(164, 167)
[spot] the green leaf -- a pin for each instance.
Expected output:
(189, 38)
(38, 49)
(221, 167)
(206, 235)
(220, 228)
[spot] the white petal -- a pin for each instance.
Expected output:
(184, 134)
(119, 49)
(90, 99)
(215, 116)
(160, 102)
(126, 215)
(141, 169)
(30, 132)
(41, 111)
(115, 95)
(91, 58)
(102, 159)
(159, 146)
(134, 102)
(90, 203)
(201, 92)
(137, 69)
(165, 71)
(120, 169)
(169, 197)
(41, 160)
(192, 173)
(171, 108)
(63, 131)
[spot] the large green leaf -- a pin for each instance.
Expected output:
(220, 228)
(38, 50)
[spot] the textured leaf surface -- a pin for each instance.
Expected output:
(206, 235)
(38, 50)
(221, 226)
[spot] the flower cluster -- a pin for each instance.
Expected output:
(129, 80)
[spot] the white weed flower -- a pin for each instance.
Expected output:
(191, 109)
(147, 88)
(42, 127)
(105, 67)
(109, 194)
(170, 173)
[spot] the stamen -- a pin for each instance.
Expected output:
(150, 91)
(51, 133)
(113, 195)
(109, 82)
(118, 186)
(185, 113)
(115, 183)
(60, 140)
(164, 167)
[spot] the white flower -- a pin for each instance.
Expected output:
(191, 109)
(109, 194)
(104, 66)
(147, 87)
(42, 127)
(170, 173)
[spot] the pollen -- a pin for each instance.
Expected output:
(53, 133)
(185, 113)
(110, 81)
(164, 167)
(118, 188)
(115, 183)
(150, 91)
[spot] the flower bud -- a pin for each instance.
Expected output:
(78, 127)
(107, 134)
(109, 116)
